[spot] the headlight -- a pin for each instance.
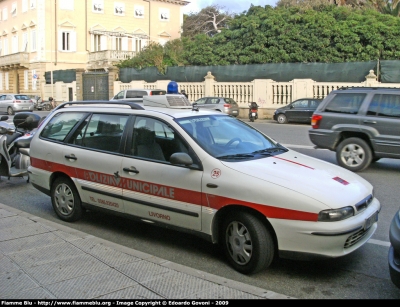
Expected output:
(334, 215)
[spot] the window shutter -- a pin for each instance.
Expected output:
(103, 42)
(124, 44)
(60, 40)
(73, 41)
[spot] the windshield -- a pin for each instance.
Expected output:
(228, 138)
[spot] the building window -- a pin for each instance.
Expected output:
(32, 4)
(164, 14)
(24, 6)
(118, 43)
(138, 11)
(14, 46)
(14, 9)
(119, 8)
(98, 6)
(5, 14)
(67, 41)
(33, 40)
(26, 83)
(5, 46)
(24, 42)
(67, 5)
(96, 42)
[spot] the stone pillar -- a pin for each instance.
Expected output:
(302, 88)
(79, 84)
(112, 77)
(209, 84)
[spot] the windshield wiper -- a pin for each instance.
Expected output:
(269, 151)
(237, 156)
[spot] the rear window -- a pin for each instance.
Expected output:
(158, 92)
(22, 97)
(345, 103)
(230, 101)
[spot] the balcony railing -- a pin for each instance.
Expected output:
(15, 59)
(110, 55)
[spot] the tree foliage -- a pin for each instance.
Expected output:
(292, 34)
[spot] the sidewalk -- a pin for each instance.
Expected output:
(40, 259)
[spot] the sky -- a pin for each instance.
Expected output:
(233, 6)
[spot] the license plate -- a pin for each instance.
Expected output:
(234, 111)
(254, 114)
(369, 221)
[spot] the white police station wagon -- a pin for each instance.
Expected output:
(205, 172)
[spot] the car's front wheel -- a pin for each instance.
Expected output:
(281, 119)
(247, 243)
(65, 200)
(354, 154)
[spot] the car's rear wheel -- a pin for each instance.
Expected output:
(354, 154)
(281, 119)
(65, 200)
(247, 243)
(10, 111)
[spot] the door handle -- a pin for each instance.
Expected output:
(71, 157)
(212, 185)
(132, 169)
(369, 121)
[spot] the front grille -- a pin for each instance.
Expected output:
(353, 239)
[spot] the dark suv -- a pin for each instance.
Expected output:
(361, 124)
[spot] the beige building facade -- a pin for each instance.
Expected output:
(38, 36)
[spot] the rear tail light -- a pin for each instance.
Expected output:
(227, 105)
(315, 121)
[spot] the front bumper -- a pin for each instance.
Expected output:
(324, 239)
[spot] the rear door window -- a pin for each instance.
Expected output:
(348, 103)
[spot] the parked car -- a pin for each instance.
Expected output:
(12, 103)
(361, 124)
(136, 95)
(299, 110)
(394, 250)
(221, 104)
(204, 172)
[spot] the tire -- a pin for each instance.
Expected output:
(47, 107)
(10, 111)
(281, 119)
(65, 200)
(354, 154)
(247, 243)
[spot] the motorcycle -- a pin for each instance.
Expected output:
(253, 111)
(44, 105)
(15, 142)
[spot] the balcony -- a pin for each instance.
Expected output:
(108, 58)
(15, 60)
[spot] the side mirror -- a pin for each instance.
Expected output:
(180, 158)
(4, 118)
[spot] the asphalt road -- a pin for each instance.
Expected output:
(363, 274)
